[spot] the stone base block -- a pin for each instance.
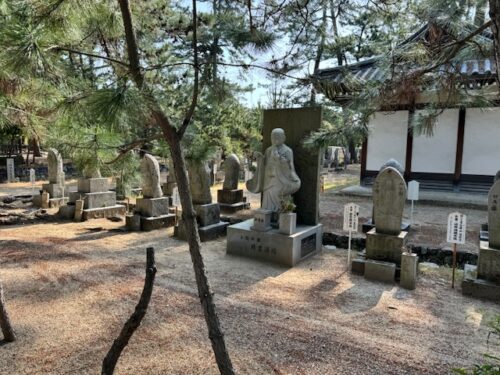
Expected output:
(273, 246)
(488, 263)
(232, 208)
(409, 264)
(481, 289)
(152, 223)
(230, 196)
(93, 185)
(55, 190)
(380, 271)
(385, 247)
(358, 266)
(104, 212)
(152, 207)
(207, 214)
(67, 212)
(133, 222)
(94, 200)
(207, 233)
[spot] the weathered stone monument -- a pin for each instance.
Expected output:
(168, 187)
(281, 169)
(153, 208)
(207, 213)
(56, 186)
(370, 224)
(487, 283)
(98, 200)
(386, 242)
(231, 198)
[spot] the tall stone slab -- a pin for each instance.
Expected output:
(199, 182)
(150, 170)
(298, 123)
(494, 216)
(56, 172)
(389, 195)
(231, 172)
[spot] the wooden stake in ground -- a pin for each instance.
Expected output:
(454, 265)
(455, 234)
(109, 363)
(8, 332)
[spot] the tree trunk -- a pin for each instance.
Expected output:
(495, 28)
(8, 332)
(36, 148)
(109, 363)
(204, 291)
(352, 153)
(319, 51)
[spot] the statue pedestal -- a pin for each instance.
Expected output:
(385, 247)
(231, 201)
(487, 282)
(55, 190)
(273, 246)
(98, 202)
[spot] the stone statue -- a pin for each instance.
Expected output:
(56, 174)
(150, 170)
(275, 177)
(199, 182)
(231, 172)
(394, 164)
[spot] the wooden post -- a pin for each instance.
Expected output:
(454, 265)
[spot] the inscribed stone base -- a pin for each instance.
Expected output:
(152, 207)
(152, 223)
(408, 278)
(380, 271)
(55, 190)
(230, 196)
(104, 212)
(207, 233)
(207, 214)
(385, 247)
(481, 289)
(94, 200)
(273, 246)
(235, 207)
(93, 185)
(67, 212)
(488, 263)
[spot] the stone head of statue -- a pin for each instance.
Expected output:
(278, 137)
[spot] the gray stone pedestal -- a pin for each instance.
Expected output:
(231, 201)
(385, 247)
(151, 207)
(98, 202)
(273, 246)
(210, 227)
(150, 214)
(487, 283)
(380, 271)
(409, 266)
(55, 190)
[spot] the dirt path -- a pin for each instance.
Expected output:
(70, 286)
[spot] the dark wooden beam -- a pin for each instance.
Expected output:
(409, 145)
(364, 153)
(460, 146)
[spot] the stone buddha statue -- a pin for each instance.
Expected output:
(275, 177)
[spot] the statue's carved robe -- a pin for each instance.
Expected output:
(275, 177)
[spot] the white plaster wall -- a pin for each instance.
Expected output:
(387, 139)
(436, 154)
(481, 141)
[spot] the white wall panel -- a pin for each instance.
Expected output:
(387, 139)
(436, 154)
(481, 141)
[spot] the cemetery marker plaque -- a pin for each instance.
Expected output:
(351, 214)
(32, 180)
(10, 170)
(455, 234)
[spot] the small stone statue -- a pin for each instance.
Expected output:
(231, 172)
(150, 170)
(56, 174)
(275, 177)
(394, 164)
